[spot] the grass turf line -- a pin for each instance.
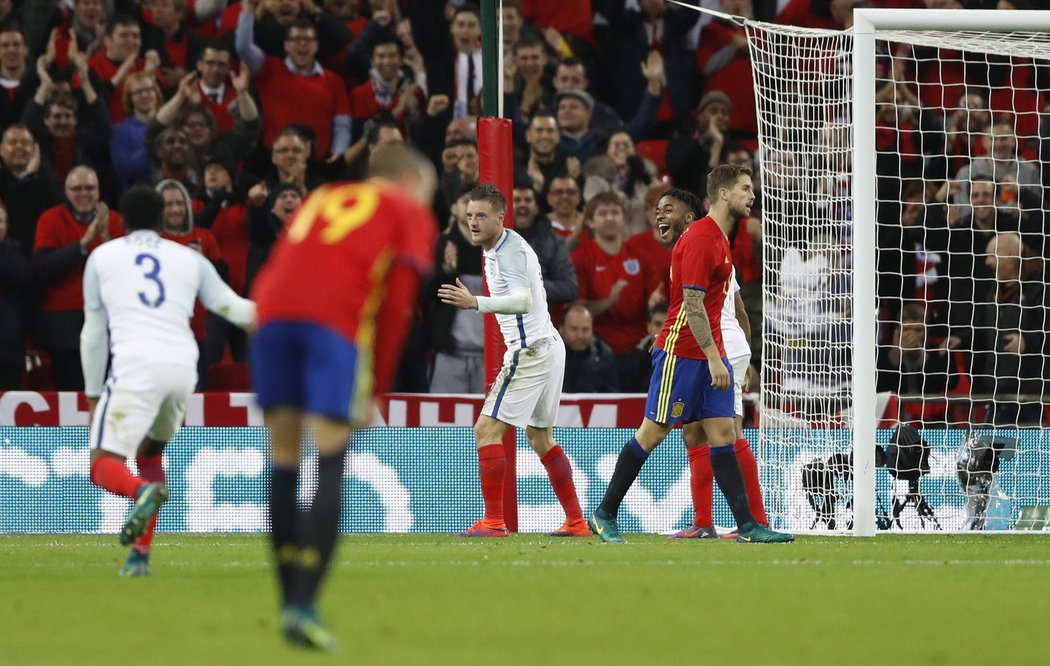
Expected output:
(531, 599)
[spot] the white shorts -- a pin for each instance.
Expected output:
(146, 401)
(527, 390)
(739, 364)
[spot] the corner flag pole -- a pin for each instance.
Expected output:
(496, 149)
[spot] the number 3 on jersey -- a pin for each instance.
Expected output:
(342, 209)
(153, 275)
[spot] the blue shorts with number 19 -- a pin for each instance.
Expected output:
(306, 366)
(680, 390)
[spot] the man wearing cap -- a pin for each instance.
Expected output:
(691, 156)
(574, 108)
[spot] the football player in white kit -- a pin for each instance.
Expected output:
(527, 390)
(139, 292)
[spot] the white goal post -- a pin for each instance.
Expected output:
(816, 97)
(867, 25)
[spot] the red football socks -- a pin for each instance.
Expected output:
(560, 473)
(492, 465)
(112, 474)
(151, 469)
(749, 469)
(702, 484)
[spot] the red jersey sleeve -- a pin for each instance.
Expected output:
(697, 260)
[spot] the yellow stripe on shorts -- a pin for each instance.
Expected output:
(663, 401)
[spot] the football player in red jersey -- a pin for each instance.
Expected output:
(692, 380)
(334, 302)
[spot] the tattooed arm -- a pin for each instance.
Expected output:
(700, 326)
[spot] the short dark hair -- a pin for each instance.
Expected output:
(142, 208)
(387, 39)
(119, 20)
(215, 45)
(468, 7)
(572, 61)
(606, 198)
(463, 142)
(724, 175)
(527, 41)
(543, 113)
(372, 129)
(302, 23)
(490, 193)
(691, 201)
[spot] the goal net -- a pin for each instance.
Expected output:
(904, 335)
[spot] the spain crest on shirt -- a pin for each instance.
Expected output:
(632, 266)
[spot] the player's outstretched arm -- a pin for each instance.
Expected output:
(94, 337)
(217, 296)
(700, 327)
(518, 301)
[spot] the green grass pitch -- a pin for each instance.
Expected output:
(530, 599)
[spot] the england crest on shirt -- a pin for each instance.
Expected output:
(632, 266)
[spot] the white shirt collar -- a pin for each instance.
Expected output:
(315, 70)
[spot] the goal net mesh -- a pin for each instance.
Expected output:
(962, 298)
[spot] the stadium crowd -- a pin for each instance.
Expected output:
(236, 110)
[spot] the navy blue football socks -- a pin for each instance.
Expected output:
(731, 482)
(628, 465)
(283, 510)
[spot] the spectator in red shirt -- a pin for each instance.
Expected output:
(614, 283)
(225, 214)
(65, 236)
(568, 18)
(284, 85)
(87, 23)
(118, 58)
(274, 17)
(725, 63)
(647, 244)
(213, 83)
(563, 198)
(182, 46)
(391, 89)
(186, 109)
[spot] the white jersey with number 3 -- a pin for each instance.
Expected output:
(147, 287)
(512, 264)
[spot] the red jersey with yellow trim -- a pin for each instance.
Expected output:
(700, 260)
(330, 265)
